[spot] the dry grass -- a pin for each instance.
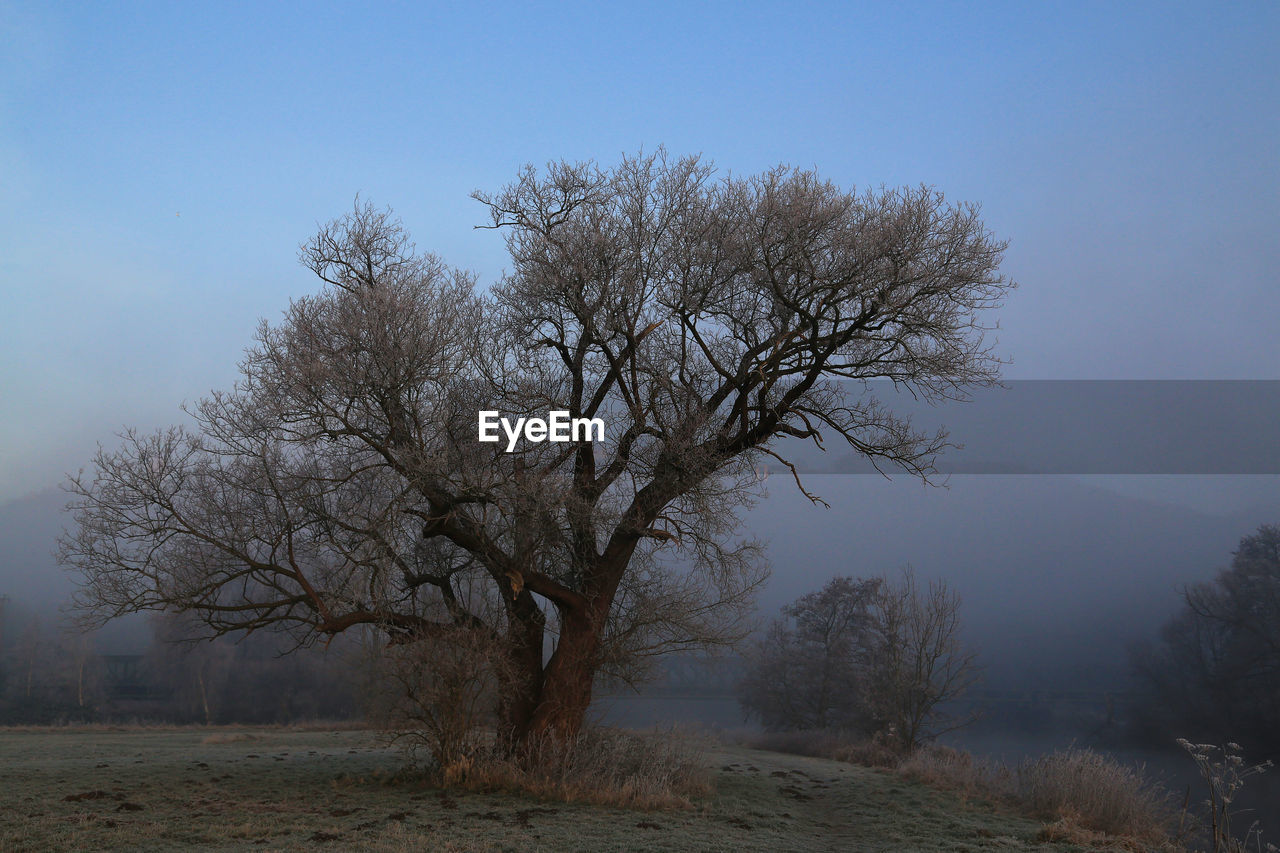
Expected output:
(958, 771)
(1085, 797)
(1067, 831)
(1097, 793)
(838, 746)
(600, 766)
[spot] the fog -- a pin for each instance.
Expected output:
(1057, 573)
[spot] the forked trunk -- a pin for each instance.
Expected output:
(520, 675)
(561, 704)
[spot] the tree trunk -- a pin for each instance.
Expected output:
(204, 697)
(567, 682)
(520, 675)
(560, 705)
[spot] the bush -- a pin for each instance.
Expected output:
(957, 770)
(815, 743)
(438, 695)
(876, 656)
(1085, 797)
(1095, 792)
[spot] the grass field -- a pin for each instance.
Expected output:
(273, 789)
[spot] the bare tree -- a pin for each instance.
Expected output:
(919, 663)
(874, 657)
(341, 483)
(1216, 671)
(809, 670)
(48, 673)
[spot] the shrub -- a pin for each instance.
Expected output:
(438, 695)
(1085, 797)
(815, 743)
(957, 770)
(603, 766)
(877, 656)
(1094, 792)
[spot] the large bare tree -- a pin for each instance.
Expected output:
(704, 319)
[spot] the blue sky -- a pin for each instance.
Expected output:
(159, 165)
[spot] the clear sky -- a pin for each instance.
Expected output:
(159, 165)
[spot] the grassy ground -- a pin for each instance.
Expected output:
(265, 789)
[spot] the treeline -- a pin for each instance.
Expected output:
(52, 675)
(1213, 674)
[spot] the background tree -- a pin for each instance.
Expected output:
(262, 678)
(1215, 672)
(48, 673)
(340, 482)
(810, 670)
(918, 662)
(872, 657)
